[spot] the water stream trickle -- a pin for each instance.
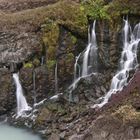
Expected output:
(77, 71)
(22, 105)
(42, 60)
(90, 54)
(128, 61)
(89, 59)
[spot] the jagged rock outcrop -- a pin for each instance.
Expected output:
(7, 98)
(17, 47)
(34, 82)
(23, 46)
(35, 35)
(119, 120)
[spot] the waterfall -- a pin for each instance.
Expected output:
(22, 105)
(89, 64)
(77, 74)
(56, 79)
(90, 54)
(42, 60)
(77, 68)
(128, 61)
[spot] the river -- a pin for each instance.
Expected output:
(11, 133)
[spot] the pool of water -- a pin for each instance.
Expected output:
(11, 133)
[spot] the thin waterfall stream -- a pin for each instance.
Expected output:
(89, 59)
(90, 54)
(127, 63)
(22, 105)
(77, 68)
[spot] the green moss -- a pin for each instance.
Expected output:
(119, 7)
(32, 63)
(50, 39)
(99, 9)
(51, 63)
(70, 57)
(74, 39)
(68, 14)
(36, 62)
(43, 115)
(28, 65)
(127, 113)
(95, 9)
(113, 11)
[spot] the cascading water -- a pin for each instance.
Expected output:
(77, 74)
(128, 61)
(42, 60)
(89, 64)
(90, 54)
(77, 68)
(22, 105)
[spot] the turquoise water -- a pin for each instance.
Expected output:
(10, 133)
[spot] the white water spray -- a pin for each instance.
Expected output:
(42, 60)
(90, 54)
(128, 61)
(77, 68)
(89, 59)
(22, 105)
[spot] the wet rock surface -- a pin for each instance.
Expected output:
(7, 98)
(17, 47)
(90, 88)
(32, 43)
(34, 82)
(119, 119)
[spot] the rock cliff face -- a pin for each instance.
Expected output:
(38, 34)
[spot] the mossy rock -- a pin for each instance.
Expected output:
(36, 62)
(28, 65)
(127, 113)
(51, 64)
(44, 115)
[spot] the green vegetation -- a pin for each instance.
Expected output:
(127, 113)
(50, 38)
(28, 65)
(50, 64)
(70, 57)
(95, 9)
(74, 39)
(119, 7)
(72, 16)
(69, 15)
(99, 9)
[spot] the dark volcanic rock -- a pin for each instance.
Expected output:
(18, 47)
(39, 92)
(90, 88)
(26, 37)
(7, 96)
